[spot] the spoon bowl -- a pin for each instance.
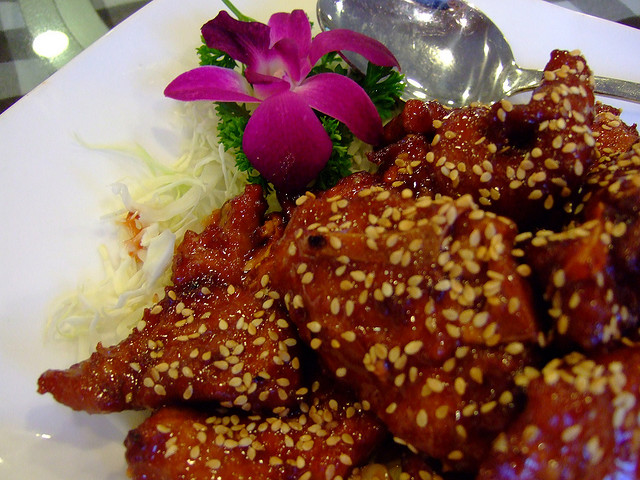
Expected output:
(448, 50)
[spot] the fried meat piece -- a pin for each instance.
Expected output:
(581, 422)
(416, 117)
(613, 136)
(201, 345)
(521, 161)
(235, 239)
(407, 467)
(590, 270)
(328, 437)
(206, 340)
(417, 303)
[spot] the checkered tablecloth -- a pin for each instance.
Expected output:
(21, 69)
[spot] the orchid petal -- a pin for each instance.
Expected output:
(210, 83)
(283, 61)
(285, 142)
(343, 99)
(294, 26)
(342, 39)
(266, 86)
(243, 41)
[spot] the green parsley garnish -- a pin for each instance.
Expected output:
(339, 164)
(331, 62)
(233, 119)
(215, 57)
(384, 85)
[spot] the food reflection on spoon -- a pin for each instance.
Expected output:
(448, 50)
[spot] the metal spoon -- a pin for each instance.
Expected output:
(448, 50)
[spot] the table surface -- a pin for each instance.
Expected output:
(37, 37)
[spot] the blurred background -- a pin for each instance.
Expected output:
(37, 37)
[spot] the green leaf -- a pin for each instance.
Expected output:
(233, 120)
(215, 57)
(331, 62)
(339, 164)
(253, 176)
(384, 85)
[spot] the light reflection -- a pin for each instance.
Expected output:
(445, 57)
(422, 15)
(414, 83)
(466, 95)
(50, 44)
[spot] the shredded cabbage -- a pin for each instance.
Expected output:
(168, 200)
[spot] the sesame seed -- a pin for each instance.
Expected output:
(406, 225)
(559, 278)
(413, 347)
(335, 306)
(594, 450)
(485, 177)
(488, 407)
(476, 374)
(435, 385)
(514, 348)
(571, 433)
(453, 330)
(442, 411)
(314, 326)
(387, 289)
(422, 418)
(455, 455)
(335, 242)
(460, 385)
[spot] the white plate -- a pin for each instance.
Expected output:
(53, 192)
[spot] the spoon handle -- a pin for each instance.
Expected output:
(613, 87)
(524, 79)
(528, 79)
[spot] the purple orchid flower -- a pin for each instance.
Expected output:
(284, 139)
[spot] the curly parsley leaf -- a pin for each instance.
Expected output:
(331, 62)
(213, 56)
(233, 120)
(339, 164)
(384, 85)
